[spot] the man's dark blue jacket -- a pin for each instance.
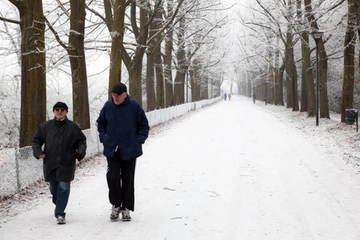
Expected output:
(123, 128)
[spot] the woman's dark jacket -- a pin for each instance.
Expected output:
(62, 141)
(123, 128)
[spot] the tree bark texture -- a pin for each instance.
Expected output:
(271, 79)
(182, 65)
(168, 81)
(323, 66)
(134, 64)
(308, 77)
(347, 96)
(302, 33)
(33, 69)
(117, 40)
(159, 71)
(150, 70)
(291, 74)
(81, 114)
(279, 74)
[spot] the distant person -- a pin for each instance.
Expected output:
(254, 97)
(59, 142)
(123, 128)
(229, 96)
(225, 95)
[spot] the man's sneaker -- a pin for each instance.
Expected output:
(114, 213)
(61, 220)
(126, 215)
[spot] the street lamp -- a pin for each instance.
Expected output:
(186, 67)
(317, 36)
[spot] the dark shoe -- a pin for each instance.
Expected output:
(60, 220)
(126, 215)
(114, 213)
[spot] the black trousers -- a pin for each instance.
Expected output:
(120, 179)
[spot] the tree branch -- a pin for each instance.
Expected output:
(9, 20)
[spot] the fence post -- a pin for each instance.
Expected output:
(17, 169)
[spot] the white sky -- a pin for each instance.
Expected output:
(234, 170)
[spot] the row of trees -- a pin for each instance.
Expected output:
(164, 48)
(281, 48)
(177, 38)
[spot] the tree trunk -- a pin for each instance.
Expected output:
(150, 73)
(160, 84)
(290, 66)
(281, 81)
(357, 5)
(33, 69)
(291, 75)
(308, 77)
(191, 84)
(76, 52)
(134, 64)
(204, 91)
(154, 63)
(305, 59)
(117, 38)
(150, 81)
(192, 79)
(347, 96)
(135, 89)
(168, 60)
(271, 80)
(323, 70)
(169, 92)
(159, 72)
(182, 66)
(278, 88)
(324, 102)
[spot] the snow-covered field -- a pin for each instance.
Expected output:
(233, 170)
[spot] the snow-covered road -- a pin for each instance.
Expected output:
(228, 171)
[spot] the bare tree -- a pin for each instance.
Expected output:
(196, 43)
(159, 71)
(154, 64)
(307, 86)
(115, 20)
(76, 52)
(159, 65)
(33, 68)
(279, 25)
(291, 73)
(182, 65)
(168, 59)
(347, 97)
(323, 65)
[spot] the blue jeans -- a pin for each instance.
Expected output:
(60, 192)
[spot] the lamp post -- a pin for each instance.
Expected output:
(187, 82)
(317, 36)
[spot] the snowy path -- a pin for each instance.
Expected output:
(229, 171)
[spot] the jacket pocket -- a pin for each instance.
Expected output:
(109, 146)
(68, 159)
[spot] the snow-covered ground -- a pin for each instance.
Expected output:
(233, 170)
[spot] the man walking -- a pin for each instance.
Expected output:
(59, 142)
(123, 128)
